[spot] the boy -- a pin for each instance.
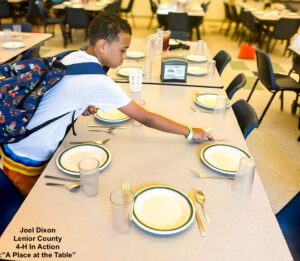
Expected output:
(110, 37)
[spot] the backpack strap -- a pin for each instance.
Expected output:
(84, 68)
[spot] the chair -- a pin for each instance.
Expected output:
(154, 7)
(179, 30)
(114, 7)
(205, 8)
(252, 28)
(5, 10)
(77, 18)
(246, 116)
(237, 83)
(284, 29)
(31, 53)
(237, 19)
(10, 201)
(288, 219)
(222, 58)
(46, 19)
(274, 82)
(227, 18)
(128, 10)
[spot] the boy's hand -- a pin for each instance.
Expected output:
(90, 111)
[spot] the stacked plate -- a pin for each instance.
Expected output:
(135, 55)
(208, 100)
(13, 45)
(196, 70)
(124, 71)
(67, 161)
(162, 210)
(223, 158)
(196, 58)
(113, 116)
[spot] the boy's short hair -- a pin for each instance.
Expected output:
(107, 26)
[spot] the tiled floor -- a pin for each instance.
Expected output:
(274, 144)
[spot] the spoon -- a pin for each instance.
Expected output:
(70, 186)
(201, 199)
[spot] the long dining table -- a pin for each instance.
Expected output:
(54, 223)
(28, 39)
(140, 45)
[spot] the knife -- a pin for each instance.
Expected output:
(63, 179)
(199, 221)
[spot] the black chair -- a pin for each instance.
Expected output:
(114, 7)
(222, 58)
(227, 19)
(154, 7)
(10, 201)
(128, 10)
(288, 219)
(252, 29)
(246, 116)
(205, 8)
(179, 30)
(237, 83)
(273, 82)
(46, 19)
(236, 19)
(31, 53)
(77, 18)
(5, 10)
(284, 29)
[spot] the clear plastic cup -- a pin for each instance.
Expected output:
(89, 176)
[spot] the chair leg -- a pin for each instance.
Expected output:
(266, 109)
(286, 47)
(133, 21)
(281, 100)
(253, 88)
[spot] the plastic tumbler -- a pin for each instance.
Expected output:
(244, 177)
(121, 207)
(135, 80)
(200, 47)
(89, 176)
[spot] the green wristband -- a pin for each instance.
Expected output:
(191, 134)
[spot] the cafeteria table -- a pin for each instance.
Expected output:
(52, 222)
(28, 39)
(138, 44)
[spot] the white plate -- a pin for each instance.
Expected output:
(173, 42)
(112, 116)
(196, 70)
(208, 100)
(223, 158)
(162, 210)
(135, 55)
(67, 161)
(196, 58)
(13, 45)
(124, 71)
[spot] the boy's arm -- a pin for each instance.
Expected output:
(156, 121)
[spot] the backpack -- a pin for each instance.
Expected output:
(22, 86)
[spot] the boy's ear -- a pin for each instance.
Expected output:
(100, 45)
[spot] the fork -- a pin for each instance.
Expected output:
(125, 185)
(99, 142)
(201, 176)
(109, 130)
